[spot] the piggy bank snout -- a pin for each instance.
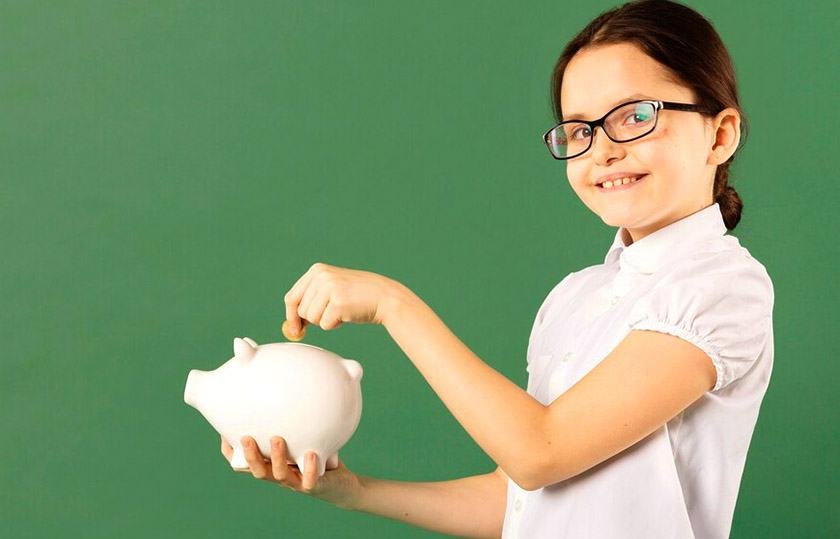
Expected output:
(195, 382)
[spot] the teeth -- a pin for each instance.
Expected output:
(609, 184)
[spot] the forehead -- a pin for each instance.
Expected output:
(598, 78)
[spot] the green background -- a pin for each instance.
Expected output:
(170, 169)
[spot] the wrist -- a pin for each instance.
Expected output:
(396, 299)
(354, 501)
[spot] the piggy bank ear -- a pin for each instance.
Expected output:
(242, 349)
(353, 368)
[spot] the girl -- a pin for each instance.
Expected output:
(646, 372)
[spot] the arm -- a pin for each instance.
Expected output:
(645, 381)
(467, 507)
(500, 416)
(650, 377)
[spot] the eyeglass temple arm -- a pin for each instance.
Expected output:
(670, 105)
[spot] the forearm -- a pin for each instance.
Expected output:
(467, 507)
(505, 421)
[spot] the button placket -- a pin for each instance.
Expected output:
(518, 503)
(620, 285)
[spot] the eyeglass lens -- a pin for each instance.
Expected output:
(630, 121)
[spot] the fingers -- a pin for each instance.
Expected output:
(305, 300)
(293, 299)
(317, 306)
(331, 317)
(286, 472)
(279, 469)
(258, 466)
(310, 475)
(227, 450)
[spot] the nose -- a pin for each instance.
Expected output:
(193, 388)
(603, 148)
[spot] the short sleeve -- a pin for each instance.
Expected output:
(721, 303)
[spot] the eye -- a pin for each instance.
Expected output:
(640, 115)
(575, 132)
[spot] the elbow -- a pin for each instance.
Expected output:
(529, 483)
(526, 475)
(531, 473)
(542, 464)
(546, 466)
(525, 484)
(532, 478)
(542, 475)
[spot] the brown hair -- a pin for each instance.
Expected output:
(688, 46)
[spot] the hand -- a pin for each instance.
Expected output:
(338, 486)
(330, 295)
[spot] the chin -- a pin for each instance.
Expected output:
(616, 217)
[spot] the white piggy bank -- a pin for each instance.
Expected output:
(309, 396)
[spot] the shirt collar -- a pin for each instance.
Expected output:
(649, 253)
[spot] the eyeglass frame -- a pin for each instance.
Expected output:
(657, 106)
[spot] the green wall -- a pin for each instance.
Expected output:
(169, 170)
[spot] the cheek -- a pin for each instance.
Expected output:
(669, 151)
(660, 155)
(576, 176)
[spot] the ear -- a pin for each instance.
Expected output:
(243, 350)
(353, 368)
(725, 136)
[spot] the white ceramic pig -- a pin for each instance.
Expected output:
(309, 396)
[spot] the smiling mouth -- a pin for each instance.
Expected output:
(621, 186)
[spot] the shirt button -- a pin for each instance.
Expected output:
(517, 506)
(614, 300)
(566, 357)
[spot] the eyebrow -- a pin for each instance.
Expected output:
(619, 102)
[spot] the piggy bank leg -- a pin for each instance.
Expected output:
(237, 461)
(332, 461)
(301, 464)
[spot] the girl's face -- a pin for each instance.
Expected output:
(675, 156)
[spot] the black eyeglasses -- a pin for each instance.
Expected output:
(574, 137)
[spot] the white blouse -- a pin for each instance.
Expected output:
(687, 279)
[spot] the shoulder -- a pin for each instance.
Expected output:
(721, 262)
(717, 285)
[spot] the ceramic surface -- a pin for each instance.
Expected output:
(308, 395)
